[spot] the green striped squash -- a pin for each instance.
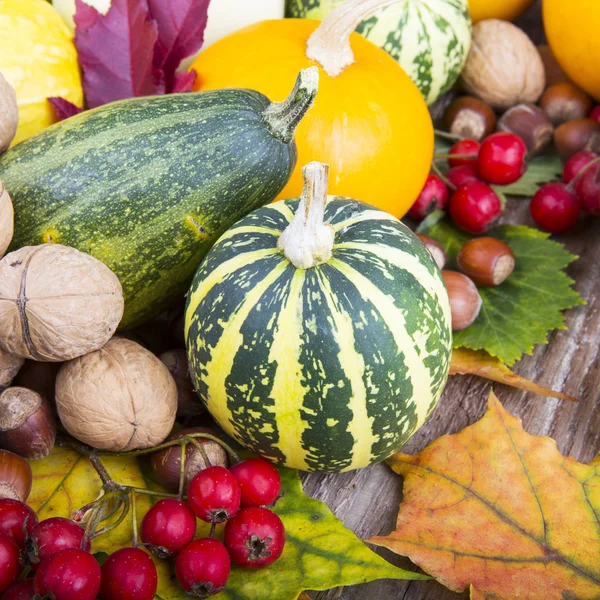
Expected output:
(429, 38)
(329, 368)
(147, 185)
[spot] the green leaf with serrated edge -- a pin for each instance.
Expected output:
(541, 170)
(65, 481)
(320, 554)
(519, 313)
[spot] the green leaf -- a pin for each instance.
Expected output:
(541, 170)
(519, 313)
(320, 553)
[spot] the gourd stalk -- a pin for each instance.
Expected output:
(329, 45)
(308, 241)
(283, 117)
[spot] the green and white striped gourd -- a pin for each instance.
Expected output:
(319, 337)
(429, 38)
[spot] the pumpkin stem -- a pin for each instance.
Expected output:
(308, 241)
(283, 117)
(329, 45)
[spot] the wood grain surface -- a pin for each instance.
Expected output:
(367, 501)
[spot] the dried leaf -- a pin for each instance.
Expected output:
(480, 363)
(181, 25)
(63, 108)
(500, 510)
(116, 51)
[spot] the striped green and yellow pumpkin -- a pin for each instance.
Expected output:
(326, 364)
(429, 38)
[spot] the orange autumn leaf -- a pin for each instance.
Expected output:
(479, 362)
(501, 511)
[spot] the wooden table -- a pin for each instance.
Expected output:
(367, 500)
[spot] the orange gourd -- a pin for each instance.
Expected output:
(572, 33)
(369, 121)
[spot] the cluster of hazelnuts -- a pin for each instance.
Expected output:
(483, 262)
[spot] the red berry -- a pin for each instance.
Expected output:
(501, 159)
(255, 538)
(466, 147)
(214, 495)
(459, 176)
(595, 113)
(475, 206)
(433, 195)
(9, 562)
(554, 208)
(68, 575)
(13, 516)
(128, 574)
(576, 163)
(52, 536)
(588, 190)
(203, 567)
(259, 481)
(168, 526)
(23, 590)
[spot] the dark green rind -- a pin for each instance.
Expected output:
(147, 185)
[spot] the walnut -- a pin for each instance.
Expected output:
(56, 303)
(9, 367)
(119, 398)
(6, 220)
(9, 113)
(503, 68)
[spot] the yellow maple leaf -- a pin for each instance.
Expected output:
(480, 363)
(501, 511)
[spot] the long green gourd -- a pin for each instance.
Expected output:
(147, 185)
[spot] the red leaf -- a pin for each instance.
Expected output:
(183, 82)
(63, 108)
(116, 51)
(181, 25)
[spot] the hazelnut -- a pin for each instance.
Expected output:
(27, 425)
(435, 249)
(6, 220)
(118, 398)
(564, 102)
(470, 117)
(503, 68)
(575, 136)
(9, 367)
(188, 403)
(486, 260)
(15, 476)
(465, 301)
(531, 124)
(166, 464)
(9, 113)
(554, 72)
(56, 303)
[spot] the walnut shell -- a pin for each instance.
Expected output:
(56, 303)
(504, 68)
(7, 220)
(9, 367)
(9, 113)
(118, 398)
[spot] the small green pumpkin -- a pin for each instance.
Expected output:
(319, 337)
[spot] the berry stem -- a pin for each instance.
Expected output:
(213, 528)
(571, 185)
(447, 136)
(125, 503)
(202, 451)
(93, 457)
(182, 470)
(134, 528)
(454, 156)
(439, 173)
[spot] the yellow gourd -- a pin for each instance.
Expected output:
(40, 61)
(572, 33)
(508, 10)
(369, 121)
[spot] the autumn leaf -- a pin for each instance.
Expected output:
(502, 511)
(65, 481)
(519, 313)
(480, 363)
(320, 553)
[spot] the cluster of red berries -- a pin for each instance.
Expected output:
(57, 551)
(473, 205)
(556, 206)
